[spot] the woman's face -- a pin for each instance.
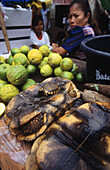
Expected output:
(39, 27)
(76, 16)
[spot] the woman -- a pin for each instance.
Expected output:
(79, 20)
(37, 36)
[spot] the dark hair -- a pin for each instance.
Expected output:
(84, 5)
(34, 6)
(36, 19)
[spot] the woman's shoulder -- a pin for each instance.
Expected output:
(88, 30)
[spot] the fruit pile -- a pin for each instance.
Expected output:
(17, 70)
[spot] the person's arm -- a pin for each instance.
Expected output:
(48, 18)
(59, 50)
(33, 41)
(35, 46)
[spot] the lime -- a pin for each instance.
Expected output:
(46, 70)
(31, 69)
(67, 75)
(54, 59)
(24, 49)
(57, 71)
(10, 60)
(79, 77)
(14, 51)
(74, 69)
(2, 108)
(28, 83)
(66, 64)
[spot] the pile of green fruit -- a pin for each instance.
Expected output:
(16, 71)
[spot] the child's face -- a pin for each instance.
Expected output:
(39, 27)
(76, 16)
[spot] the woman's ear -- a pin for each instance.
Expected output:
(87, 17)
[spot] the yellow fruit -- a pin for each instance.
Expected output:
(20, 59)
(43, 62)
(57, 71)
(54, 59)
(46, 70)
(45, 59)
(24, 49)
(2, 60)
(2, 108)
(7, 92)
(66, 64)
(34, 56)
(44, 49)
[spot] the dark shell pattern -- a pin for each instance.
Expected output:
(79, 140)
(32, 111)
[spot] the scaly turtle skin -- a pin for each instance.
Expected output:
(32, 111)
(78, 140)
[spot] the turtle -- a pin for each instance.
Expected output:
(80, 139)
(32, 111)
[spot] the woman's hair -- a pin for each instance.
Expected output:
(34, 6)
(84, 5)
(36, 19)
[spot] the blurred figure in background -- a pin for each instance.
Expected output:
(46, 16)
(38, 37)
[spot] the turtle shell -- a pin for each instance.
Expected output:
(78, 140)
(32, 111)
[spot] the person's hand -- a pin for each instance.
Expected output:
(54, 45)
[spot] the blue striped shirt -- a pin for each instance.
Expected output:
(72, 43)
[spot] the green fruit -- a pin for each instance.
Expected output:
(44, 49)
(2, 60)
(2, 83)
(43, 62)
(29, 82)
(3, 70)
(15, 51)
(74, 69)
(10, 60)
(45, 59)
(31, 69)
(2, 108)
(34, 56)
(17, 75)
(46, 70)
(57, 71)
(67, 75)
(7, 92)
(79, 77)
(66, 64)
(24, 49)
(20, 59)
(54, 59)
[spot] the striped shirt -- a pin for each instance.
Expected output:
(76, 36)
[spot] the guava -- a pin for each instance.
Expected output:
(67, 75)
(45, 59)
(3, 70)
(43, 62)
(24, 49)
(44, 49)
(54, 59)
(66, 64)
(57, 71)
(79, 77)
(34, 56)
(74, 69)
(46, 70)
(15, 51)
